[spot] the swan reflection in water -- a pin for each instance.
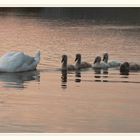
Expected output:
(17, 80)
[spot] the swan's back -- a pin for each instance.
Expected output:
(11, 61)
(18, 61)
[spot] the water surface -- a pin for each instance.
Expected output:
(47, 100)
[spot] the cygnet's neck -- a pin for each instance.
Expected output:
(78, 62)
(106, 60)
(64, 64)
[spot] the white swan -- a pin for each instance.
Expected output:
(18, 62)
(98, 64)
(79, 64)
(64, 64)
(111, 64)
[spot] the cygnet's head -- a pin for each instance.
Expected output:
(105, 57)
(64, 59)
(78, 57)
(124, 68)
(97, 60)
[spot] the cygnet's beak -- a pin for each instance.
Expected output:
(104, 57)
(96, 60)
(76, 59)
(62, 60)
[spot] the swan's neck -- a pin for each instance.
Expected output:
(37, 56)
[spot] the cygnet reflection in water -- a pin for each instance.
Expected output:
(100, 74)
(64, 79)
(64, 74)
(17, 80)
(77, 76)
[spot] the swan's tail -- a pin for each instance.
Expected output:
(37, 56)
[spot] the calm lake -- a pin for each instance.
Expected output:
(46, 100)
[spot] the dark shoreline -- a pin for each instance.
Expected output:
(107, 14)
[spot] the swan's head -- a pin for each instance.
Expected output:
(124, 68)
(64, 59)
(37, 53)
(97, 60)
(105, 57)
(78, 58)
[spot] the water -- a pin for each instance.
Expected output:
(47, 100)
